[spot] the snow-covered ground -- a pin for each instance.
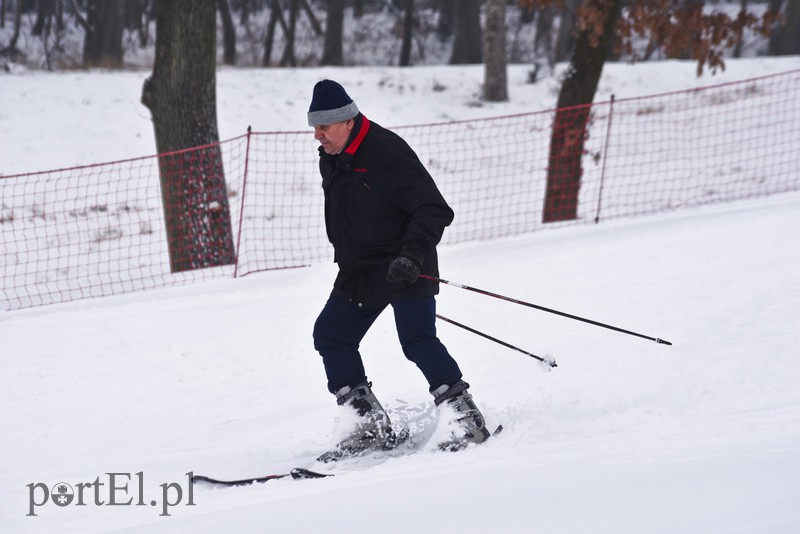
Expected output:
(624, 436)
(56, 120)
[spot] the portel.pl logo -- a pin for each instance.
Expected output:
(116, 489)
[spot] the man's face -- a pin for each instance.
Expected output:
(332, 137)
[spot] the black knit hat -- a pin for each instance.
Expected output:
(330, 104)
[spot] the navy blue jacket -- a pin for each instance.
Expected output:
(380, 202)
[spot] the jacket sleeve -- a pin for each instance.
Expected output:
(415, 192)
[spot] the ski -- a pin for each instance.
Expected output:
(335, 455)
(404, 447)
(298, 473)
(451, 447)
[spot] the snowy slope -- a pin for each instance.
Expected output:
(624, 436)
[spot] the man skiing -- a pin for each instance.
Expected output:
(384, 217)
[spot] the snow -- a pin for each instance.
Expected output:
(56, 120)
(624, 436)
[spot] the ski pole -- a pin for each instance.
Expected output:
(542, 308)
(550, 362)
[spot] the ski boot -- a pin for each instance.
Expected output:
(372, 430)
(472, 427)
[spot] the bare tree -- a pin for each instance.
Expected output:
(11, 50)
(565, 40)
(737, 50)
(527, 13)
(543, 59)
(137, 14)
(102, 45)
(468, 43)
(408, 31)
(288, 58)
(228, 33)
(358, 8)
(181, 97)
(312, 18)
(446, 22)
(45, 13)
(495, 81)
(275, 17)
(786, 38)
(333, 51)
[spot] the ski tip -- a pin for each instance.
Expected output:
(202, 479)
(497, 430)
(299, 473)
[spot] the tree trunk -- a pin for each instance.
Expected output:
(495, 84)
(315, 25)
(527, 14)
(737, 50)
(11, 50)
(288, 59)
(565, 40)
(244, 11)
(44, 14)
(59, 16)
(570, 127)
(102, 46)
(135, 19)
(690, 6)
(181, 97)
(468, 43)
(275, 17)
(358, 9)
(228, 33)
(785, 40)
(408, 32)
(446, 21)
(333, 54)
(774, 38)
(543, 60)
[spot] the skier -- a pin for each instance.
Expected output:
(384, 217)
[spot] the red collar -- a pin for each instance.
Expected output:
(359, 136)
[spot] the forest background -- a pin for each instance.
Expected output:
(69, 34)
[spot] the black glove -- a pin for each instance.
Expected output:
(402, 269)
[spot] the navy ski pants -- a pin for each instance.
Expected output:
(342, 325)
